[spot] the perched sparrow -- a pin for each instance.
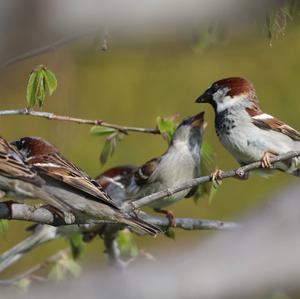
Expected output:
(245, 131)
(178, 164)
(115, 180)
(43, 233)
(75, 191)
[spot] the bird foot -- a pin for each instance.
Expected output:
(265, 160)
(216, 178)
(241, 175)
(170, 215)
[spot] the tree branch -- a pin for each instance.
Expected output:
(38, 51)
(239, 172)
(11, 210)
(43, 215)
(52, 116)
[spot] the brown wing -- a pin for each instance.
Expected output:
(12, 164)
(143, 173)
(55, 166)
(278, 126)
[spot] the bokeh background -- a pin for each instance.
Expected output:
(139, 78)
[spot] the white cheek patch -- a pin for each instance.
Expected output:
(225, 101)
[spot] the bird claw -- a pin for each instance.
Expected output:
(265, 161)
(170, 215)
(216, 178)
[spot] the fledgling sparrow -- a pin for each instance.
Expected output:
(178, 164)
(245, 130)
(76, 192)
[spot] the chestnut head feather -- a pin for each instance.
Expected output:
(228, 92)
(31, 147)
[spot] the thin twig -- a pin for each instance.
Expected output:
(240, 172)
(112, 250)
(48, 48)
(52, 116)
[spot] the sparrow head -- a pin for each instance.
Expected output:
(30, 147)
(190, 130)
(114, 174)
(229, 92)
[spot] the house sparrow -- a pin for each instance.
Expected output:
(178, 164)
(75, 191)
(245, 131)
(181, 162)
(43, 233)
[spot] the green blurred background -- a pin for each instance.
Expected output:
(133, 83)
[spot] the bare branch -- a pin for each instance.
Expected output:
(45, 49)
(239, 172)
(43, 215)
(52, 116)
(112, 250)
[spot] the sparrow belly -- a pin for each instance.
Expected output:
(248, 143)
(174, 169)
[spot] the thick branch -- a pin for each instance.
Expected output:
(52, 116)
(240, 172)
(43, 215)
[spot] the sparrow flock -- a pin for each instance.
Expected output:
(33, 168)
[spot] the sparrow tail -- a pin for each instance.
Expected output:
(42, 234)
(140, 225)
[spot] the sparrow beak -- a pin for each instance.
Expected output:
(206, 97)
(198, 120)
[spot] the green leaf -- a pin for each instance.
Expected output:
(57, 272)
(24, 284)
(101, 131)
(107, 151)
(41, 80)
(77, 245)
(31, 90)
(70, 266)
(3, 226)
(127, 245)
(166, 126)
(110, 145)
(208, 165)
(170, 233)
(50, 81)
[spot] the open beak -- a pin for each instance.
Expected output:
(198, 121)
(206, 97)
